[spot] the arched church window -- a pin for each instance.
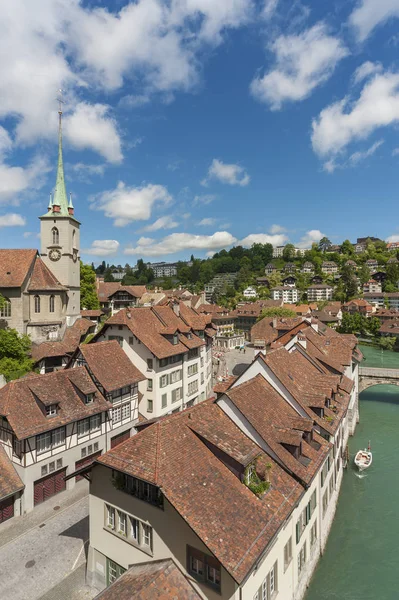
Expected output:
(5, 309)
(51, 303)
(37, 304)
(56, 235)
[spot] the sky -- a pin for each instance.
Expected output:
(194, 125)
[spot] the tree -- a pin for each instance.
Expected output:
(289, 252)
(88, 293)
(387, 343)
(108, 277)
(276, 311)
(364, 274)
(324, 244)
(347, 248)
(349, 282)
(14, 350)
(393, 274)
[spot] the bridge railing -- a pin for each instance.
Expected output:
(377, 372)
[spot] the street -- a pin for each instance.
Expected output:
(48, 560)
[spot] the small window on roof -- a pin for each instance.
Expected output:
(89, 398)
(51, 410)
(175, 339)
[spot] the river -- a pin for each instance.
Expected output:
(361, 558)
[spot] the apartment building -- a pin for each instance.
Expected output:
(308, 267)
(371, 286)
(288, 294)
(329, 267)
(320, 292)
(163, 269)
(172, 346)
(242, 494)
(69, 418)
(383, 299)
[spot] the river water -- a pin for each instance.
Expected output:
(361, 558)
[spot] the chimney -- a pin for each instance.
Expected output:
(176, 308)
(302, 339)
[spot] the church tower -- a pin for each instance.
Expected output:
(60, 237)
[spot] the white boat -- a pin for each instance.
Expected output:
(364, 458)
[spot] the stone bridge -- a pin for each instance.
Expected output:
(369, 376)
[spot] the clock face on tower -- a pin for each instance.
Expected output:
(54, 254)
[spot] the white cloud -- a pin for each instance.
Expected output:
(102, 248)
(16, 181)
(90, 126)
(277, 229)
(12, 220)
(263, 238)
(204, 199)
(207, 222)
(125, 204)
(303, 62)
(5, 142)
(134, 101)
(358, 157)
(311, 237)
(231, 174)
(370, 13)
(393, 238)
(269, 8)
(178, 242)
(87, 169)
(365, 70)
(346, 121)
(395, 151)
(161, 223)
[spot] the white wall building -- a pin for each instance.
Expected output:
(320, 292)
(288, 294)
(250, 292)
(173, 348)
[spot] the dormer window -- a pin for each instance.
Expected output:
(175, 339)
(189, 335)
(51, 410)
(89, 398)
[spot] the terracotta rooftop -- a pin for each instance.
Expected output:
(110, 365)
(227, 516)
(15, 266)
(72, 338)
(43, 279)
(270, 329)
(91, 313)
(106, 289)
(153, 326)
(22, 401)
(155, 580)
(134, 290)
(10, 481)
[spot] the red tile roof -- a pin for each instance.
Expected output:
(134, 290)
(43, 279)
(72, 338)
(155, 580)
(109, 365)
(151, 326)
(231, 520)
(91, 313)
(10, 481)
(15, 266)
(21, 400)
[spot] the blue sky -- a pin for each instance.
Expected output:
(193, 125)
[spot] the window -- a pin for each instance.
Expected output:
(163, 382)
(202, 379)
(83, 452)
(313, 534)
(202, 362)
(17, 447)
(150, 405)
(118, 338)
(95, 447)
(193, 353)
(163, 362)
(122, 523)
(43, 442)
(269, 586)
(126, 410)
(131, 340)
(204, 568)
(116, 414)
(324, 471)
(287, 553)
(58, 437)
(150, 364)
(164, 400)
(193, 387)
(301, 558)
(126, 390)
(325, 502)
(120, 327)
(113, 571)
(175, 376)
(56, 235)
(175, 339)
(51, 467)
(177, 394)
(138, 488)
(192, 369)
(51, 410)
(331, 485)
(5, 309)
(149, 385)
(44, 470)
(89, 398)
(95, 422)
(134, 530)
(90, 424)
(51, 303)
(37, 304)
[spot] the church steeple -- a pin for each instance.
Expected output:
(59, 206)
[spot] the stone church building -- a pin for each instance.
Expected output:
(42, 289)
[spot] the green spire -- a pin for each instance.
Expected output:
(60, 197)
(70, 205)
